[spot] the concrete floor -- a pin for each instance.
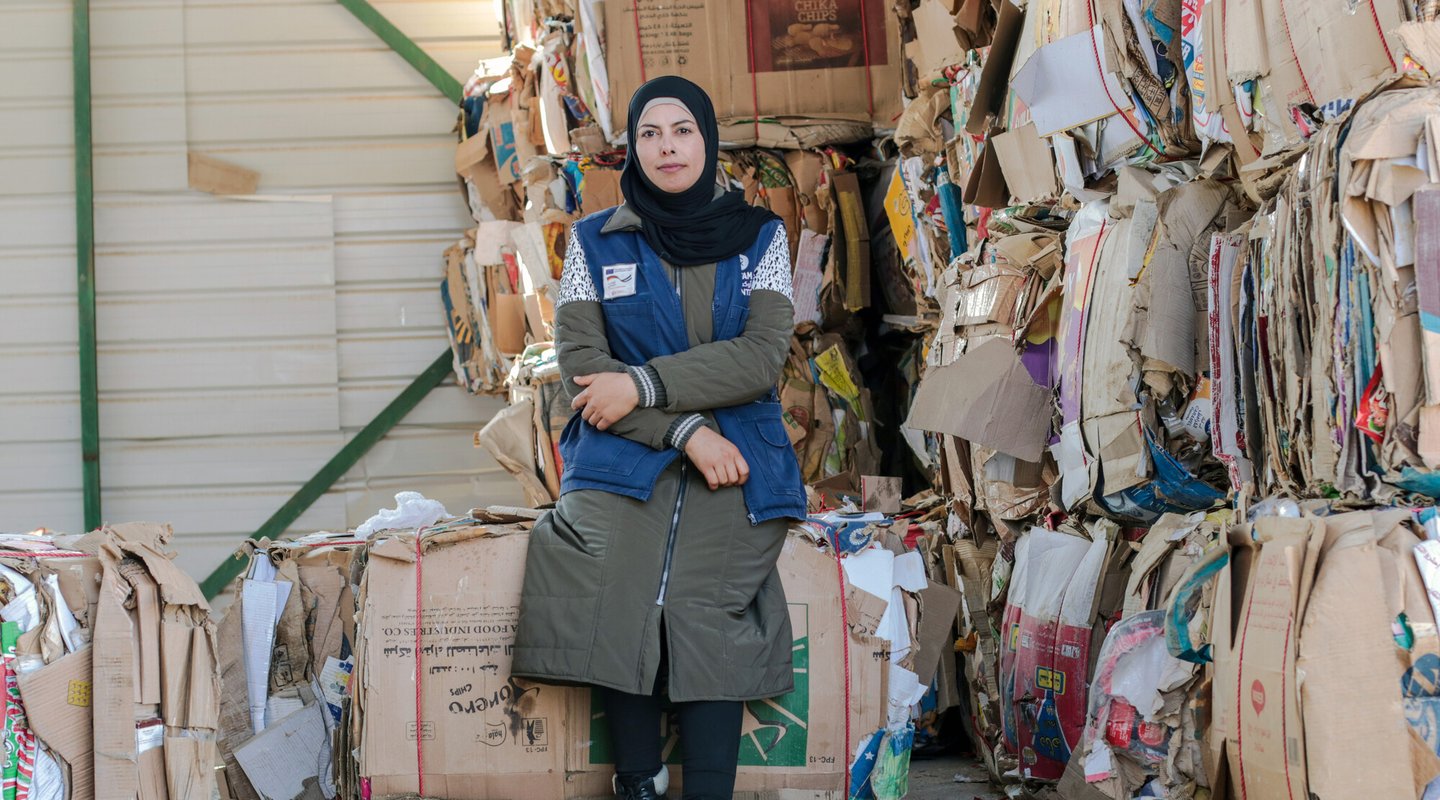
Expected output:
(934, 779)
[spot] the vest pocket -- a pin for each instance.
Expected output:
(592, 453)
(769, 450)
(631, 329)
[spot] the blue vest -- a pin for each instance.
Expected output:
(651, 323)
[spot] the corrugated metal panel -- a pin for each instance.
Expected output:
(241, 341)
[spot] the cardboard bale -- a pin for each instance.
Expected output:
(486, 734)
(793, 61)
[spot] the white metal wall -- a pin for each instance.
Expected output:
(241, 340)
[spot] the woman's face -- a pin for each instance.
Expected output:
(670, 147)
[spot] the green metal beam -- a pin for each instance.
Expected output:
(85, 263)
(408, 50)
(336, 468)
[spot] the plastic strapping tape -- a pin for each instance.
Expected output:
(419, 685)
(639, 41)
(1100, 69)
(845, 643)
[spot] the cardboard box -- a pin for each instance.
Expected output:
(799, 58)
(58, 706)
(488, 735)
(1257, 720)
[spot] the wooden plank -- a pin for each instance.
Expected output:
(359, 261)
(38, 272)
(396, 307)
(411, 162)
(446, 405)
(38, 222)
(330, 118)
(231, 317)
(383, 357)
(218, 462)
(189, 268)
(212, 221)
(120, 124)
(317, 69)
(60, 511)
(328, 23)
(422, 454)
(173, 415)
(217, 511)
(234, 412)
(371, 214)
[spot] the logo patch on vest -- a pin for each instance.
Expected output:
(747, 275)
(619, 280)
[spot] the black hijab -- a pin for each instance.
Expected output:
(694, 226)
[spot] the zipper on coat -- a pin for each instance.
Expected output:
(670, 539)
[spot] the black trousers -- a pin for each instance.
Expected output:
(709, 740)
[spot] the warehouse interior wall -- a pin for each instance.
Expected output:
(242, 340)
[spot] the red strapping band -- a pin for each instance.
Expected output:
(419, 685)
(1100, 70)
(1380, 29)
(337, 543)
(845, 643)
(42, 554)
(754, 79)
(1290, 40)
(869, 87)
(639, 42)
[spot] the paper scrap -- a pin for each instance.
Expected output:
(1063, 87)
(280, 760)
(258, 609)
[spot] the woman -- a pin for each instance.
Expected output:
(656, 572)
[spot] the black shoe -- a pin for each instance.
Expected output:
(652, 788)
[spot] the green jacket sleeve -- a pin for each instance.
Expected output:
(740, 370)
(582, 349)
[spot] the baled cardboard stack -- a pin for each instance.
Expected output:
(109, 662)
(1225, 325)
(405, 694)
(1156, 262)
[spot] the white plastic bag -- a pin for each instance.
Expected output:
(412, 510)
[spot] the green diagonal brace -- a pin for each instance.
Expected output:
(408, 50)
(336, 468)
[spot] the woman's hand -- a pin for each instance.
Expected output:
(606, 398)
(718, 459)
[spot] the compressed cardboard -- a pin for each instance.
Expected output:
(1062, 87)
(114, 687)
(483, 733)
(1340, 49)
(995, 76)
(281, 761)
(1026, 163)
(209, 174)
(986, 184)
(986, 396)
(1264, 741)
(880, 494)
(939, 41)
(507, 319)
(59, 709)
(798, 59)
(488, 735)
(1351, 699)
(939, 605)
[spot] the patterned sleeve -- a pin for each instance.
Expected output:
(575, 280)
(773, 272)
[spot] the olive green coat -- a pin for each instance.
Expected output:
(593, 608)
